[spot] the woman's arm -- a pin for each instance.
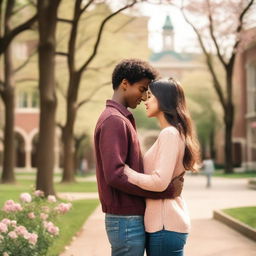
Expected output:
(166, 159)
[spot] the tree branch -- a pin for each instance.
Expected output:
(238, 30)
(213, 36)
(81, 103)
(62, 54)
(5, 40)
(86, 6)
(73, 36)
(84, 66)
(65, 20)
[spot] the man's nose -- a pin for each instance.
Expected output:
(144, 96)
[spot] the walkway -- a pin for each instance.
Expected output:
(207, 238)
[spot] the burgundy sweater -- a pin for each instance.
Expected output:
(116, 144)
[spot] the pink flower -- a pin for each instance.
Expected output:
(1, 238)
(51, 198)
(25, 197)
(6, 221)
(22, 231)
(63, 208)
(12, 234)
(11, 206)
(3, 227)
(39, 193)
(43, 216)
(5, 254)
(51, 228)
(32, 238)
(31, 215)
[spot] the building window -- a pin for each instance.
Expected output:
(251, 89)
(35, 99)
(253, 133)
(28, 99)
(23, 100)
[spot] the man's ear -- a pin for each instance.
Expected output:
(124, 84)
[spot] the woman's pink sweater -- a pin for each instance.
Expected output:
(162, 162)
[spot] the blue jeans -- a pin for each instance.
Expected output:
(126, 234)
(165, 243)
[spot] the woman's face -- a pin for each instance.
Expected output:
(151, 105)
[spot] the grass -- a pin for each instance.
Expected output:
(246, 174)
(12, 191)
(71, 223)
(246, 215)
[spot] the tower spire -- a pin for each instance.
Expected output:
(168, 35)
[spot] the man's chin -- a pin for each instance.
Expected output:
(134, 106)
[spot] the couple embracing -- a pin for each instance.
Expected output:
(141, 195)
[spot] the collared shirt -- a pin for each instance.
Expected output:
(116, 144)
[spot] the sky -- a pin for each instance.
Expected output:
(185, 39)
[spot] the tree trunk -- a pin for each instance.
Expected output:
(212, 144)
(228, 139)
(68, 132)
(8, 99)
(47, 17)
(228, 120)
(68, 147)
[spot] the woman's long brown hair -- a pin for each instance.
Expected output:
(171, 101)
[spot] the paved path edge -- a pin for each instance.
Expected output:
(235, 224)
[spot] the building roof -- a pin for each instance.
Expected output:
(168, 23)
(157, 56)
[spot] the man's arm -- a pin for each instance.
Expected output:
(113, 141)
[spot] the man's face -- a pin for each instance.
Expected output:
(135, 93)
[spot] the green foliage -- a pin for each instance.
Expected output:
(246, 174)
(142, 121)
(244, 214)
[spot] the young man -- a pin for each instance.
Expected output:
(116, 144)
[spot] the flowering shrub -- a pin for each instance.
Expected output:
(27, 228)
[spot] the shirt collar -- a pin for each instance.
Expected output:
(121, 108)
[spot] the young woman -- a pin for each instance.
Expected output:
(176, 150)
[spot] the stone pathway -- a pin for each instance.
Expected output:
(208, 237)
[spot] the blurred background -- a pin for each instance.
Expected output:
(56, 62)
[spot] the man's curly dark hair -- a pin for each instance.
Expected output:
(133, 70)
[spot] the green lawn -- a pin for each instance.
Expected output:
(244, 214)
(12, 191)
(247, 174)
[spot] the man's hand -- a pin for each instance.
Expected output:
(177, 185)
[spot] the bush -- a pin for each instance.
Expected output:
(27, 228)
